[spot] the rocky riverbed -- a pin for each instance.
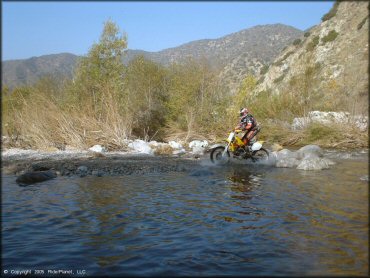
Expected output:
(83, 164)
(31, 165)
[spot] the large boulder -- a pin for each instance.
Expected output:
(287, 162)
(313, 162)
(309, 150)
(178, 148)
(328, 118)
(286, 159)
(285, 153)
(361, 122)
(97, 149)
(198, 147)
(141, 147)
(309, 157)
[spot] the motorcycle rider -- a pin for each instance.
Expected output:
(247, 124)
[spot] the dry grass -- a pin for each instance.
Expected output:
(163, 150)
(335, 136)
(174, 133)
(326, 136)
(97, 155)
(47, 125)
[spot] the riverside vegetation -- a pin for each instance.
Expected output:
(107, 102)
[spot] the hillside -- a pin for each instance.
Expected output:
(256, 51)
(27, 71)
(260, 42)
(329, 63)
(233, 55)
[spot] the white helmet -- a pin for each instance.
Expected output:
(243, 112)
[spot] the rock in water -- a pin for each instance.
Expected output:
(309, 157)
(34, 177)
(287, 162)
(82, 171)
(285, 153)
(309, 150)
(97, 173)
(313, 163)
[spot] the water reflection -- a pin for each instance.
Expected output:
(103, 229)
(243, 182)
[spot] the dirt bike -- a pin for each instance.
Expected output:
(221, 154)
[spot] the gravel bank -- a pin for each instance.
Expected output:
(82, 163)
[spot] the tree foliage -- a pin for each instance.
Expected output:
(146, 88)
(100, 73)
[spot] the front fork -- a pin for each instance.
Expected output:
(226, 149)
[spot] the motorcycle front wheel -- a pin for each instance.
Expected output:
(261, 155)
(216, 155)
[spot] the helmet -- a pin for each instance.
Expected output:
(243, 112)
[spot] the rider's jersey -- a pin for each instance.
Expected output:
(247, 122)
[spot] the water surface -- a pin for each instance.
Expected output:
(234, 220)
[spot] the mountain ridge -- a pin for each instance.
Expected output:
(262, 43)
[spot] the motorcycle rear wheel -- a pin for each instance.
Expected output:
(216, 155)
(260, 155)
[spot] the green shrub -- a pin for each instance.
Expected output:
(297, 42)
(316, 133)
(331, 13)
(312, 44)
(278, 63)
(261, 80)
(306, 34)
(287, 55)
(280, 78)
(318, 65)
(359, 26)
(332, 35)
(264, 69)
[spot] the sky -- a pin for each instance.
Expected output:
(40, 28)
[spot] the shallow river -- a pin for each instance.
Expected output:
(234, 220)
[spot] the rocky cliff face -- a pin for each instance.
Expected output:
(329, 61)
(259, 47)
